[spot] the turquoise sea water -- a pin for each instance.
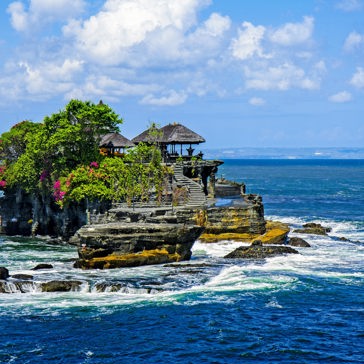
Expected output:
(305, 308)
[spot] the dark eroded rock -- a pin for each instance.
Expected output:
(43, 266)
(298, 242)
(60, 286)
(24, 277)
(260, 252)
(4, 273)
(313, 228)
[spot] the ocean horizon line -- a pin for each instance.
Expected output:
(285, 153)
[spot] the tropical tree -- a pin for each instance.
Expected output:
(44, 152)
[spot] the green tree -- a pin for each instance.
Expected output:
(62, 142)
(13, 143)
(72, 136)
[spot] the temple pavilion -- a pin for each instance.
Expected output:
(114, 144)
(175, 141)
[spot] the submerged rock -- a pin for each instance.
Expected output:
(23, 277)
(313, 228)
(298, 242)
(43, 266)
(258, 251)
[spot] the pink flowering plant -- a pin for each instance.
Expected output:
(58, 194)
(2, 177)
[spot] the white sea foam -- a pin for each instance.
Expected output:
(218, 249)
(327, 259)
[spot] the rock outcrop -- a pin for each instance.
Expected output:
(313, 228)
(244, 220)
(257, 251)
(137, 237)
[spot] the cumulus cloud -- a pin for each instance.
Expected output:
(41, 12)
(248, 43)
(358, 78)
(280, 77)
(171, 98)
(353, 41)
(125, 29)
(349, 5)
(169, 54)
(257, 101)
(293, 33)
(340, 97)
(40, 81)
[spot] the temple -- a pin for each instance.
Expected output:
(177, 144)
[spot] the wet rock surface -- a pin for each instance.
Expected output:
(298, 242)
(60, 286)
(129, 238)
(258, 251)
(4, 273)
(43, 266)
(23, 277)
(313, 228)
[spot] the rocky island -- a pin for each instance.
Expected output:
(121, 202)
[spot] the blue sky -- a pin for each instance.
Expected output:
(241, 73)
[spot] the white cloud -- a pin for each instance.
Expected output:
(19, 18)
(293, 33)
(349, 5)
(248, 42)
(257, 101)
(340, 97)
(358, 78)
(170, 99)
(124, 30)
(353, 41)
(281, 77)
(41, 12)
(40, 81)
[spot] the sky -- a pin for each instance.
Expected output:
(240, 73)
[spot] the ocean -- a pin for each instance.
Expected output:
(304, 308)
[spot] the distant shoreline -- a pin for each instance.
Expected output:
(342, 153)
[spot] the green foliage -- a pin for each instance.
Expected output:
(60, 157)
(14, 142)
(65, 140)
(134, 177)
(23, 173)
(71, 137)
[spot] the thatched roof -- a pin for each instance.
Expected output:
(179, 134)
(150, 135)
(170, 134)
(115, 140)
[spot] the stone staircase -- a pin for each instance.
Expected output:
(196, 196)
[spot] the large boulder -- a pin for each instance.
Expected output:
(4, 273)
(298, 242)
